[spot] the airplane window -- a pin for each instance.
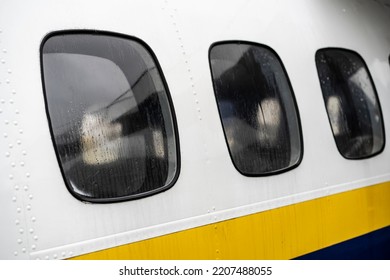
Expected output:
(351, 102)
(110, 115)
(257, 107)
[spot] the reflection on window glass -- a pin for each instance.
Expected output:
(110, 116)
(257, 108)
(351, 102)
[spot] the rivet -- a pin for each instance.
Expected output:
(70, 253)
(14, 199)
(15, 123)
(10, 146)
(4, 51)
(28, 175)
(55, 256)
(11, 101)
(2, 101)
(15, 253)
(9, 71)
(21, 231)
(17, 112)
(30, 197)
(33, 219)
(18, 210)
(13, 91)
(18, 142)
(17, 222)
(7, 81)
(22, 163)
(7, 154)
(5, 135)
(24, 153)
(33, 247)
(46, 257)
(6, 122)
(11, 177)
(25, 188)
(35, 237)
(13, 164)
(21, 131)
(1, 111)
(2, 61)
(28, 207)
(16, 187)
(19, 241)
(31, 230)
(23, 250)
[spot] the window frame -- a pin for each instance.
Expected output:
(375, 93)
(175, 129)
(293, 98)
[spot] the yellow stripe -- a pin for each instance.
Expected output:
(281, 233)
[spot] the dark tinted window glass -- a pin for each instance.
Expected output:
(257, 108)
(110, 116)
(351, 102)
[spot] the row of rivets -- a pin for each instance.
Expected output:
(55, 256)
(13, 150)
(184, 53)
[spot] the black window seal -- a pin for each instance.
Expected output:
(85, 199)
(271, 173)
(375, 92)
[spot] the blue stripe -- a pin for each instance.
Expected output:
(372, 246)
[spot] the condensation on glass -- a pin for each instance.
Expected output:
(110, 116)
(351, 102)
(257, 108)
